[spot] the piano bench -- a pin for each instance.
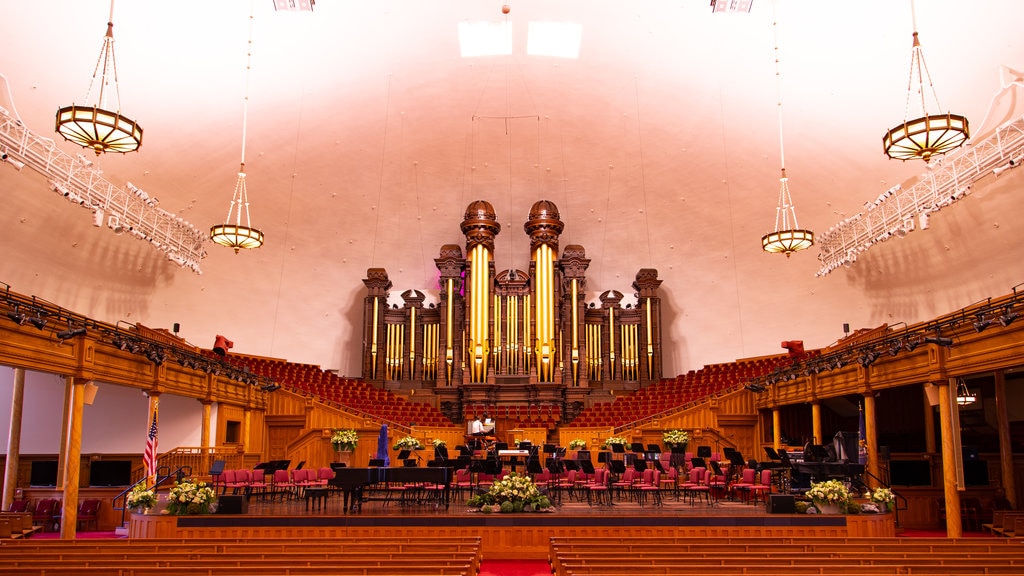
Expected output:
(318, 496)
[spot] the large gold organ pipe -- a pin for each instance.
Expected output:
(527, 343)
(575, 336)
(650, 343)
(412, 342)
(594, 352)
(479, 304)
(611, 341)
(545, 271)
(512, 347)
(449, 353)
(373, 340)
(497, 334)
(430, 351)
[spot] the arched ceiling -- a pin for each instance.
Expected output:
(368, 135)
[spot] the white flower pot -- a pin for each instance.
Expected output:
(826, 508)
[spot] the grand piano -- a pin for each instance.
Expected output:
(430, 484)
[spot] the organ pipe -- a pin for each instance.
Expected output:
(449, 355)
(373, 341)
(650, 342)
(575, 336)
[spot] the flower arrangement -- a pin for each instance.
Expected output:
(438, 442)
(671, 437)
(577, 444)
(188, 497)
(407, 443)
(513, 493)
(614, 440)
(828, 492)
(345, 440)
(140, 498)
(882, 497)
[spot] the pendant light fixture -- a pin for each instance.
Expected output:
(95, 126)
(788, 237)
(239, 233)
(928, 135)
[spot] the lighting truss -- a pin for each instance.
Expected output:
(895, 211)
(78, 181)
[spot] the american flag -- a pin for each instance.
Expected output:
(149, 456)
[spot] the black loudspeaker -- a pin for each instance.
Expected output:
(232, 505)
(781, 504)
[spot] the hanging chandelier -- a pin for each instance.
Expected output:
(95, 126)
(239, 233)
(964, 396)
(928, 135)
(788, 237)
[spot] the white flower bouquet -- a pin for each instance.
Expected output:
(408, 443)
(189, 497)
(140, 498)
(513, 493)
(828, 492)
(671, 437)
(577, 444)
(345, 440)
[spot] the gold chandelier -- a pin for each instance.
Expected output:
(788, 237)
(928, 135)
(96, 127)
(240, 233)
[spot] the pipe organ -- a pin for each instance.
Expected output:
(512, 337)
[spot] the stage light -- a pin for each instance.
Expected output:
(71, 333)
(1008, 317)
(981, 323)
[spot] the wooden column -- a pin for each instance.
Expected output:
(816, 421)
(776, 434)
(954, 529)
(871, 439)
(1005, 445)
(72, 458)
(14, 438)
(204, 435)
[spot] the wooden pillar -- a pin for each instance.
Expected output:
(204, 435)
(246, 423)
(776, 433)
(816, 421)
(954, 529)
(72, 458)
(1005, 445)
(14, 438)
(929, 423)
(871, 439)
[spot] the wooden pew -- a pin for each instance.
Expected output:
(670, 555)
(376, 556)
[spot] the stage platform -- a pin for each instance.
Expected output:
(524, 535)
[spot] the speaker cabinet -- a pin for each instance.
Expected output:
(781, 504)
(229, 504)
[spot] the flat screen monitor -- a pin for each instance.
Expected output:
(44, 473)
(910, 473)
(110, 473)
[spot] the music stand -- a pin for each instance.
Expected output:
(698, 462)
(653, 448)
(404, 455)
(409, 463)
(771, 453)
(603, 457)
(501, 446)
(704, 451)
(636, 447)
(617, 466)
(441, 453)
(583, 455)
(571, 465)
(550, 448)
(736, 459)
(376, 462)
(618, 448)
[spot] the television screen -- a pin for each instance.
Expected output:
(910, 473)
(110, 473)
(44, 473)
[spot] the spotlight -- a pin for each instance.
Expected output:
(19, 318)
(913, 342)
(895, 347)
(981, 323)
(156, 356)
(938, 339)
(71, 333)
(39, 322)
(867, 358)
(1008, 317)
(755, 388)
(16, 164)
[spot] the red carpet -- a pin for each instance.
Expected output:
(515, 568)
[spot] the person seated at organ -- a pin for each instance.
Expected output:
(476, 427)
(487, 427)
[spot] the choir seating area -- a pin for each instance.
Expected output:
(352, 393)
(674, 393)
(771, 556)
(413, 555)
